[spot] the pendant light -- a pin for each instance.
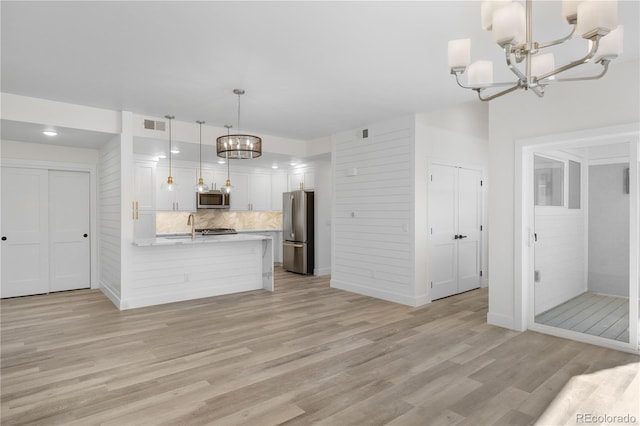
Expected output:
(239, 146)
(227, 187)
(201, 186)
(169, 185)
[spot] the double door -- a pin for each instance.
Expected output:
(455, 229)
(45, 231)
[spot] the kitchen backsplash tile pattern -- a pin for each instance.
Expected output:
(173, 222)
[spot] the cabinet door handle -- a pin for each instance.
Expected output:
(177, 206)
(133, 210)
(137, 210)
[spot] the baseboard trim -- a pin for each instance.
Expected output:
(500, 320)
(111, 294)
(322, 271)
(379, 294)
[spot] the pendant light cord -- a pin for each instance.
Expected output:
(201, 123)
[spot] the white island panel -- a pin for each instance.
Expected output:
(166, 270)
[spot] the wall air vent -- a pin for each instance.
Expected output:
(154, 125)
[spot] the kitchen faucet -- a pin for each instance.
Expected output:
(192, 221)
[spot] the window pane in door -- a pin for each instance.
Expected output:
(574, 185)
(548, 181)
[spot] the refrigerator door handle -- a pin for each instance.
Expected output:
(288, 244)
(292, 216)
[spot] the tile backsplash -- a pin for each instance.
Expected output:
(174, 222)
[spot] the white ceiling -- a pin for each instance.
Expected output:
(309, 68)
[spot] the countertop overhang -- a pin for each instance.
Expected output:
(185, 239)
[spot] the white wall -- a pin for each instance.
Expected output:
(323, 202)
(373, 244)
(566, 107)
(109, 226)
(608, 230)
(42, 152)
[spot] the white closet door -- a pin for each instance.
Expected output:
(443, 212)
(469, 202)
(25, 257)
(69, 203)
(455, 237)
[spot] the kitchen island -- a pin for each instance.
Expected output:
(173, 268)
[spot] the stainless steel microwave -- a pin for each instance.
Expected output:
(213, 200)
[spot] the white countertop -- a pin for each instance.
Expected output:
(250, 231)
(186, 239)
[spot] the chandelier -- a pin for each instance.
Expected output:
(238, 146)
(511, 26)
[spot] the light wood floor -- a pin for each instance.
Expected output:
(591, 313)
(304, 354)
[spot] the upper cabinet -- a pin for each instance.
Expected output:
(260, 192)
(301, 179)
(278, 186)
(215, 179)
(183, 197)
(143, 206)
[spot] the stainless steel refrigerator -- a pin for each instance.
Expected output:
(297, 232)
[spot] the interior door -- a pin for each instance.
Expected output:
(69, 203)
(469, 222)
(455, 237)
(25, 257)
(443, 212)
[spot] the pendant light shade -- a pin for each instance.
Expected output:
(169, 185)
(200, 185)
(239, 146)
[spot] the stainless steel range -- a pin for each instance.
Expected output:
(216, 231)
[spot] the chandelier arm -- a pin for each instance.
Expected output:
(558, 41)
(605, 68)
(587, 58)
(504, 92)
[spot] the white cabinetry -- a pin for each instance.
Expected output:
(251, 191)
(215, 179)
(240, 191)
(278, 186)
(183, 198)
(260, 192)
(144, 202)
(301, 179)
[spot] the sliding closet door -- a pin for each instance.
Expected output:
(69, 230)
(25, 248)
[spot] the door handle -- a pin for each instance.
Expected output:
(85, 235)
(293, 245)
(462, 236)
(455, 237)
(4, 238)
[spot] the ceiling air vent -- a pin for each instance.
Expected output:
(154, 125)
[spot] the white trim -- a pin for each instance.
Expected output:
(322, 271)
(93, 176)
(605, 161)
(111, 295)
(500, 320)
(583, 337)
(523, 286)
(380, 294)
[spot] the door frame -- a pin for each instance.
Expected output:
(523, 236)
(93, 214)
(483, 234)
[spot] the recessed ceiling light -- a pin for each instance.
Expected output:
(293, 163)
(275, 166)
(162, 156)
(50, 132)
(175, 151)
(221, 162)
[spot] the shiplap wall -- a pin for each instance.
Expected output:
(559, 256)
(109, 184)
(163, 274)
(373, 244)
